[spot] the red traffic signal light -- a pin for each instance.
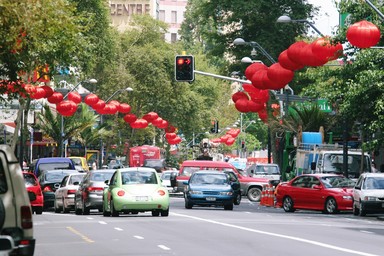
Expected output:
(184, 68)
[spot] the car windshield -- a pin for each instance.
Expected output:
(101, 176)
(76, 178)
(374, 183)
(337, 182)
(267, 169)
(208, 179)
(141, 177)
(333, 163)
(54, 166)
(77, 161)
(54, 176)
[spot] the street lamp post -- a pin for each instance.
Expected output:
(63, 152)
(254, 45)
(101, 157)
(287, 19)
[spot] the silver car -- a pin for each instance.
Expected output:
(89, 194)
(65, 194)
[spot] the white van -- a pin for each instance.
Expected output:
(15, 208)
(267, 171)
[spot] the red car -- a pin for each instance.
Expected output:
(34, 191)
(329, 193)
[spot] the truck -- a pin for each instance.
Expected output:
(313, 156)
(138, 154)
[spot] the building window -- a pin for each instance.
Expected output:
(173, 37)
(162, 15)
(174, 17)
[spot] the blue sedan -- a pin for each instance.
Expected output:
(211, 188)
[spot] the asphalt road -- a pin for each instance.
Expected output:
(249, 229)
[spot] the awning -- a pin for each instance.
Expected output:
(10, 127)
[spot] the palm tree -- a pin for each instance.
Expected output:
(78, 126)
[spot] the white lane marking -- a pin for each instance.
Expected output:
(336, 248)
(138, 237)
(164, 247)
(90, 218)
(366, 232)
(119, 229)
(103, 222)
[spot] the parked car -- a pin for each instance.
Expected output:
(329, 193)
(15, 208)
(250, 187)
(34, 191)
(166, 179)
(134, 190)
(52, 163)
(211, 188)
(264, 170)
(368, 194)
(89, 195)
(65, 194)
(50, 181)
(80, 163)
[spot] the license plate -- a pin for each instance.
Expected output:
(141, 198)
(211, 198)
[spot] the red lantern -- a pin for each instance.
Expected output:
(151, 116)
(75, 97)
(279, 75)
(258, 79)
(100, 104)
(239, 95)
(230, 141)
(124, 108)
(174, 141)
(170, 129)
(163, 124)
(322, 48)
(38, 94)
(170, 136)
(129, 118)
(255, 106)
(287, 63)
(66, 107)
(48, 91)
(363, 34)
(242, 105)
(115, 102)
(139, 124)
(249, 88)
(310, 59)
(55, 98)
(251, 69)
(294, 51)
(110, 108)
(263, 114)
(157, 121)
(91, 99)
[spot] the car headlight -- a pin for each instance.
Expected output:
(370, 198)
(347, 197)
(228, 193)
(194, 192)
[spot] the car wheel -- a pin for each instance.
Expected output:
(237, 199)
(65, 209)
(57, 209)
(164, 213)
(330, 206)
(362, 211)
(114, 213)
(188, 205)
(155, 213)
(288, 204)
(355, 209)
(228, 207)
(85, 209)
(105, 212)
(77, 209)
(254, 194)
(39, 210)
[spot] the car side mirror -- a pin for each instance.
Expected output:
(316, 186)
(76, 183)
(106, 182)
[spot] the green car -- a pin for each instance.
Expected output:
(134, 190)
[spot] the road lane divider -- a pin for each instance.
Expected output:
(84, 237)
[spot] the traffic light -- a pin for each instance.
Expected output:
(184, 68)
(215, 128)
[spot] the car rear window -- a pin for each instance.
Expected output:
(101, 176)
(30, 180)
(54, 166)
(189, 170)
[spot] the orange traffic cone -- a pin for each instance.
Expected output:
(263, 196)
(271, 198)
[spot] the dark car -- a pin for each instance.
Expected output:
(89, 194)
(212, 188)
(50, 180)
(34, 191)
(52, 163)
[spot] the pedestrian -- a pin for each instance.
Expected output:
(373, 167)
